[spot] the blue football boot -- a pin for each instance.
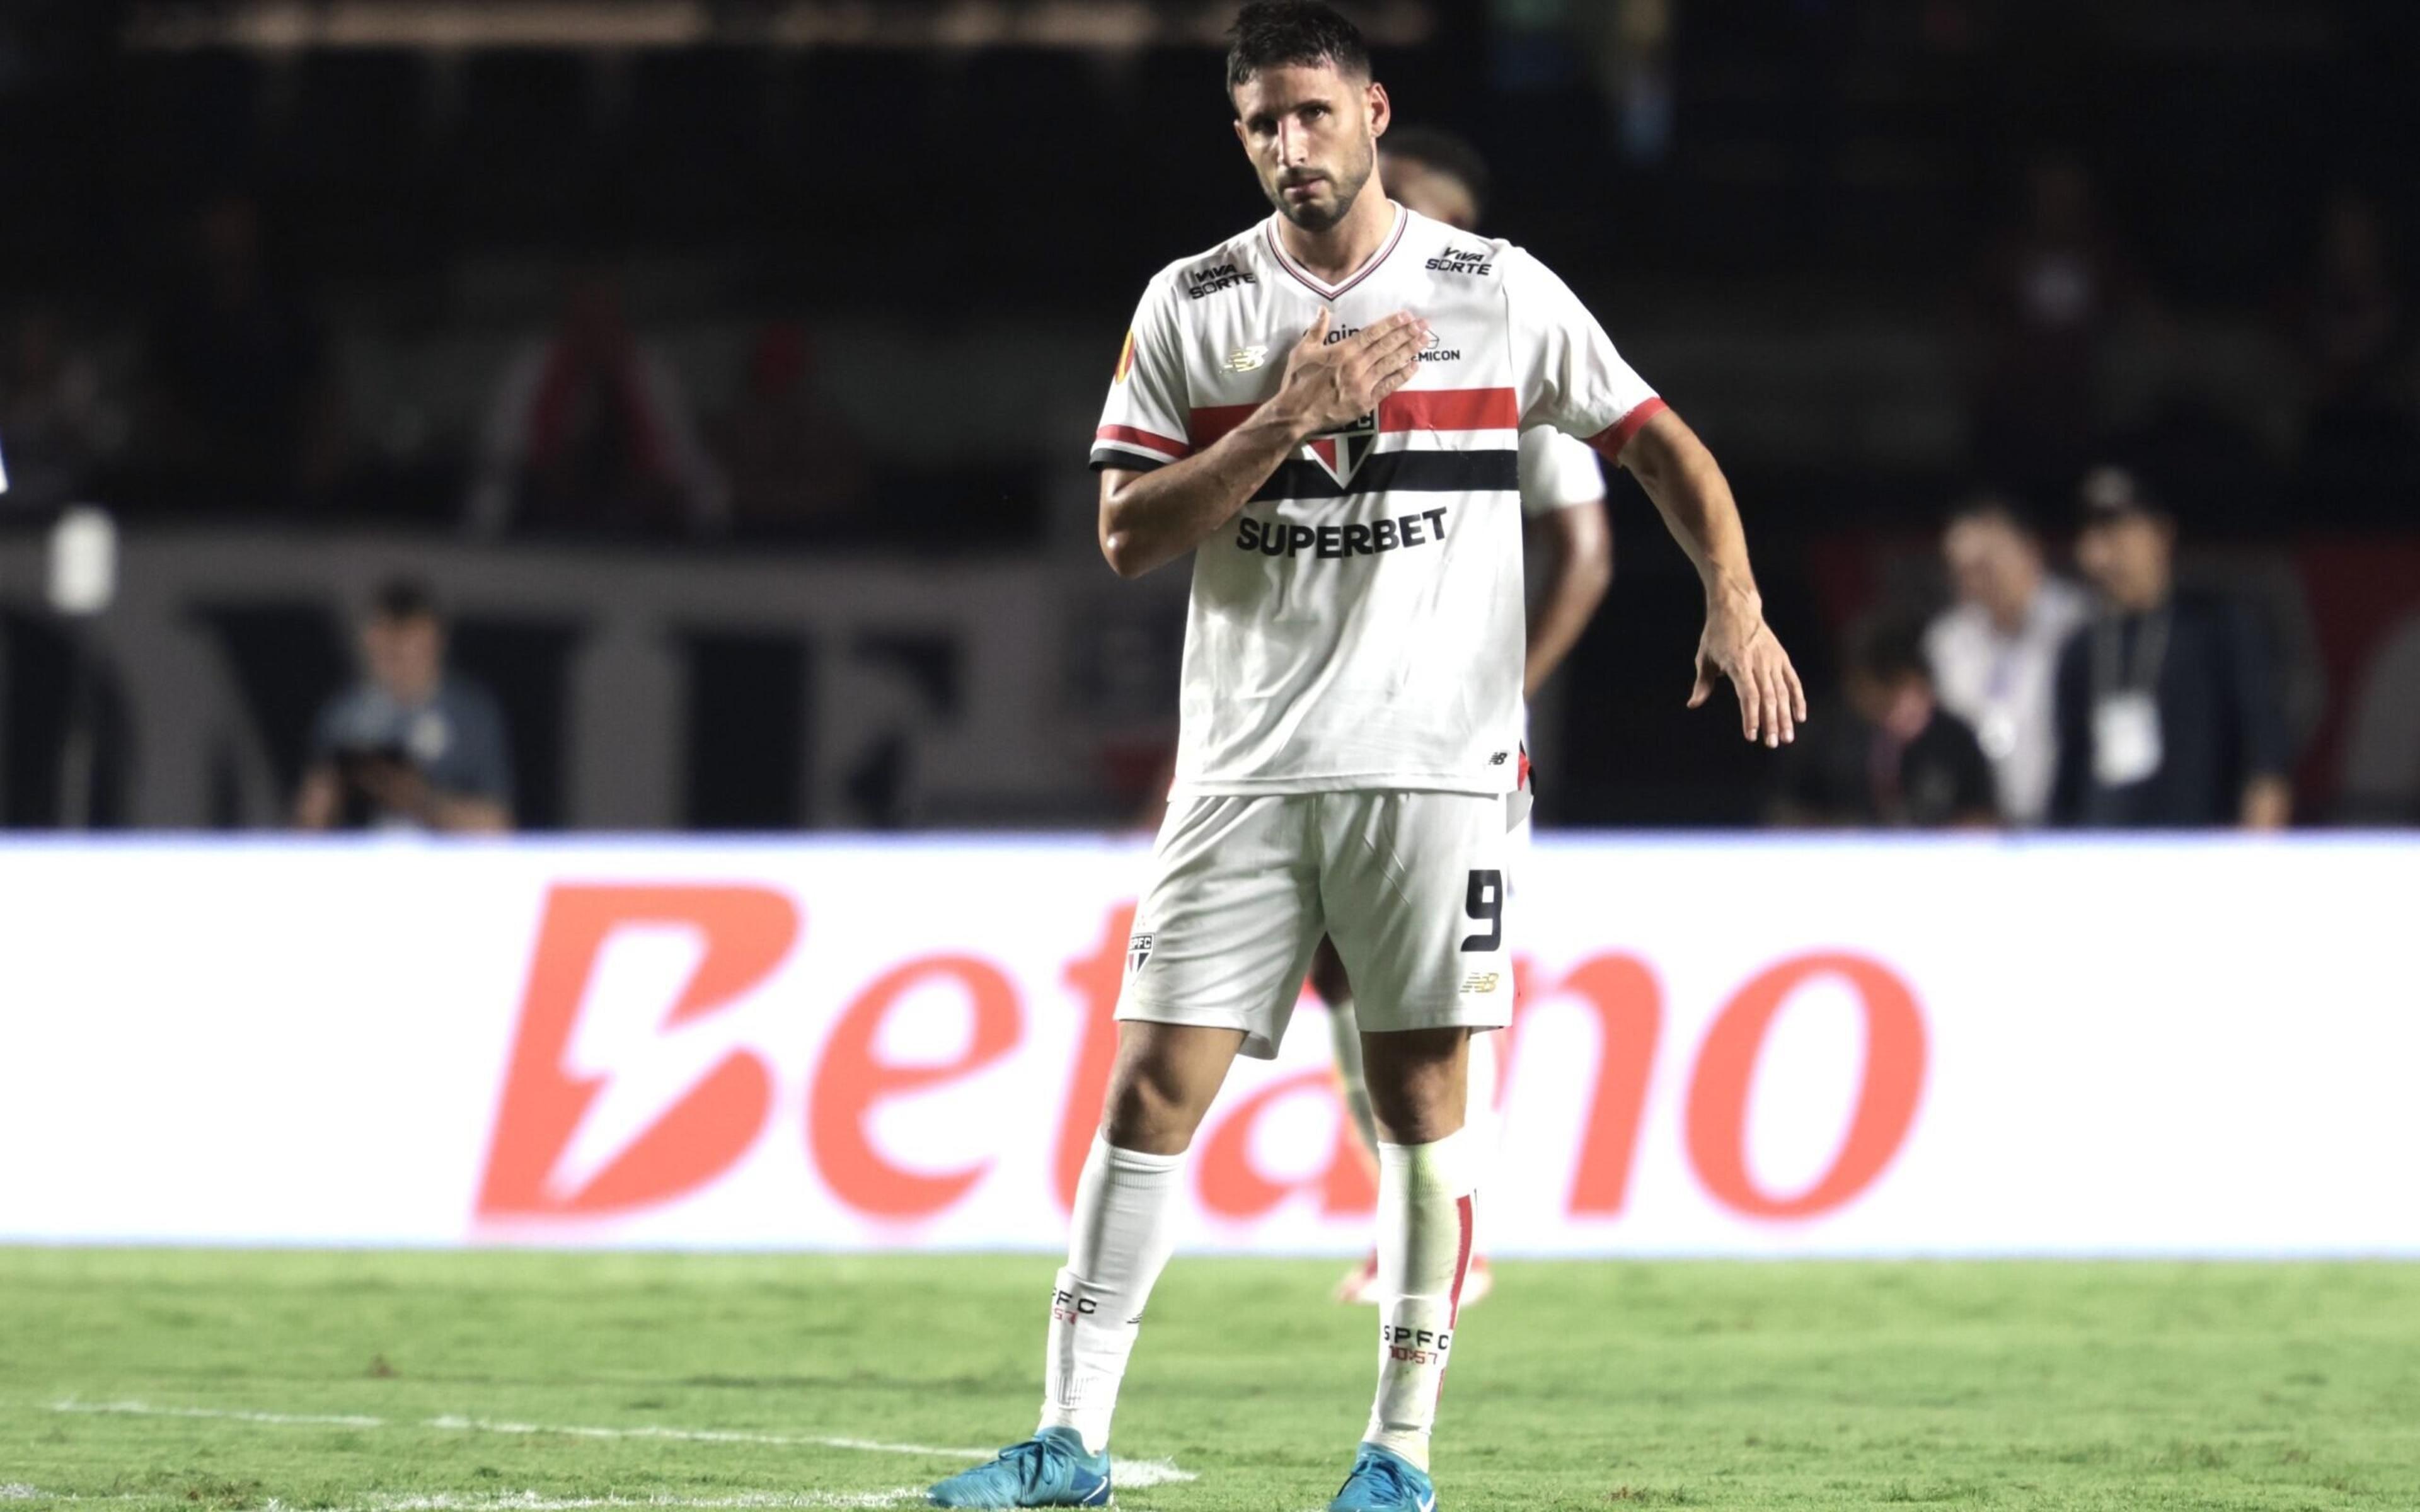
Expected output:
(1384, 1481)
(1050, 1469)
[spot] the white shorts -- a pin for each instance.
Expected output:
(1415, 889)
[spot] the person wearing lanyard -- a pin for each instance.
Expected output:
(2167, 711)
(1995, 653)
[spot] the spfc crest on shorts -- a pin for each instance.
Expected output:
(1341, 453)
(1138, 952)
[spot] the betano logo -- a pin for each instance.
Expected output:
(554, 1093)
(632, 1081)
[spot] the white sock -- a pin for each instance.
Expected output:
(1424, 1226)
(1483, 1126)
(1344, 1026)
(1119, 1240)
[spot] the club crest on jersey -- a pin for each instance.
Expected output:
(1138, 952)
(1341, 453)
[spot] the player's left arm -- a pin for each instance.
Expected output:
(1694, 498)
(1572, 379)
(1579, 547)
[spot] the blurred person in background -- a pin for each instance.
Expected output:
(2350, 323)
(1995, 653)
(1438, 175)
(2350, 329)
(246, 413)
(2168, 711)
(410, 745)
(1901, 760)
(2382, 743)
(795, 466)
(54, 421)
(591, 432)
(2049, 296)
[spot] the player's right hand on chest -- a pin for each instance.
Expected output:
(1329, 385)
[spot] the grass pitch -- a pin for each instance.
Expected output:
(444, 1383)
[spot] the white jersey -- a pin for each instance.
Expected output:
(1558, 471)
(1360, 623)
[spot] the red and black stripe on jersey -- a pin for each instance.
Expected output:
(1135, 450)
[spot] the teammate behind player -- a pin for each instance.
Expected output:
(1328, 406)
(1563, 494)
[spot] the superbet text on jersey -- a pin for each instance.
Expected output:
(1359, 623)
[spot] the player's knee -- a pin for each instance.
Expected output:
(1415, 1084)
(1415, 1119)
(1151, 1114)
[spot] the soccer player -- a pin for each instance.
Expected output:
(1328, 406)
(1563, 489)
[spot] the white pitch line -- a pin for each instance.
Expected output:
(535, 1501)
(481, 1425)
(532, 1502)
(1132, 1472)
(1133, 1475)
(288, 1419)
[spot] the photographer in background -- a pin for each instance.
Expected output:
(409, 746)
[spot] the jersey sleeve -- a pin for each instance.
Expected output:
(1556, 472)
(1569, 375)
(1146, 422)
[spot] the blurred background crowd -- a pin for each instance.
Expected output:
(708, 383)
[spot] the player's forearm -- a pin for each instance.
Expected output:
(1151, 519)
(1690, 492)
(1556, 630)
(1581, 545)
(316, 805)
(2268, 803)
(462, 813)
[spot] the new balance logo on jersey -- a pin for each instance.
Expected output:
(1245, 359)
(1276, 538)
(1201, 283)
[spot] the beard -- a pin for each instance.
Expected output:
(1348, 184)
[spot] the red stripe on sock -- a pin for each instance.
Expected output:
(1461, 1269)
(1461, 1259)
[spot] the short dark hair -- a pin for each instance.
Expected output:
(1888, 646)
(403, 598)
(1994, 504)
(1274, 34)
(2111, 492)
(1442, 150)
